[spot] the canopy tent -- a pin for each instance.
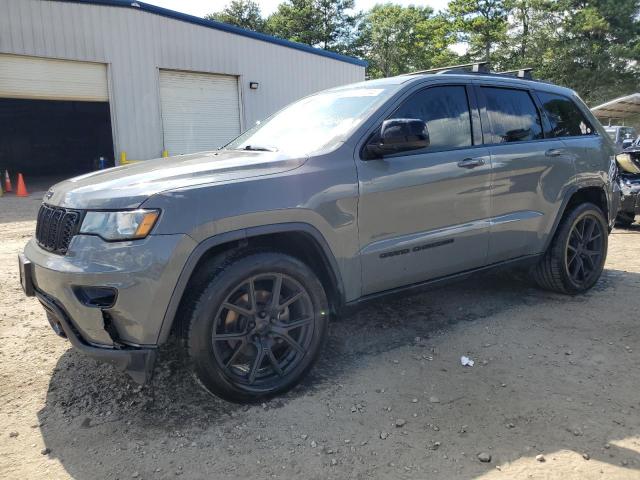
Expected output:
(620, 108)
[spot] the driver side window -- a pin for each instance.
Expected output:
(445, 110)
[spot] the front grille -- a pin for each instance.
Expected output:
(56, 227)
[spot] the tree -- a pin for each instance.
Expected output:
(242, 13)
(396, 40)
(327, 24)
(592, 46)
(599, 47)
(481, 23)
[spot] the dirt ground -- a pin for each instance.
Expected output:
(554, 376)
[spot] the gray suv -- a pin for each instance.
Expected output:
(347, 195)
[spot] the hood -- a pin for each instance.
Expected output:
(130, 185)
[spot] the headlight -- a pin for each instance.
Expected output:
(626, 163)
(128, 225)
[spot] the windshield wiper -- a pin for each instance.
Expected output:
(259, 148)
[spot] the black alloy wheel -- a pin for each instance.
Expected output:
(575, 258)
(585, 250)
(257, 321)
(263, 329)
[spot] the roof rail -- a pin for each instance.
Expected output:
(520, 73)
(477, 67)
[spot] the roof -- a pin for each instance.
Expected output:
(488, 78)
(225, 27)
(622, 107)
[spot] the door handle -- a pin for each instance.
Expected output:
(554, 152)
(471, 163)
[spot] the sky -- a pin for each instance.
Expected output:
(200, 8)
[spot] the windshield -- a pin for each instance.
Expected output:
(611, 132)
(314, 122)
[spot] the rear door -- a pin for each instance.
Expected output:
(425, 214)
(568, 124)
(529, 171)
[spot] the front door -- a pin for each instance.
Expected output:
(425, 214)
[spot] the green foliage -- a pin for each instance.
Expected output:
(480, 23)
(328, 24)
(592, 46)
(396, 40)
(242, 13)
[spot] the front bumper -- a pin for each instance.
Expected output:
(630, 191)
(143, 274)
(136, 362)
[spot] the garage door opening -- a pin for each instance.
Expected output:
(53, 138)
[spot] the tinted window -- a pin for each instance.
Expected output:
(446, 112)
(565, 117)
(512, 115)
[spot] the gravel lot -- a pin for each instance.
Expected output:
(554, 378)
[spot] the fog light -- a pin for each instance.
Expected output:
(99, 297)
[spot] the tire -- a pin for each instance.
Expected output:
(569, 265)
(244, 350)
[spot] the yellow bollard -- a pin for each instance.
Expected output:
(165, 153)
(123, 158)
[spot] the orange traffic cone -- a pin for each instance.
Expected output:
(7, 182)
(22, 188)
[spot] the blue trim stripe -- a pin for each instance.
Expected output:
(225, 27)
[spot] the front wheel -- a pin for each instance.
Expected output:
(257, 326)
(575, 259)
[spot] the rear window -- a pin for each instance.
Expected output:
(565, 117)
(512, 115)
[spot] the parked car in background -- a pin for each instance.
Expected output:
(622, 136)
(345, 196)
(629, 180)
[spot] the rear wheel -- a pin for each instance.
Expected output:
(575, 259)
(258, 326)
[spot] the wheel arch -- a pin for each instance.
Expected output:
(595, 194)
(300, 240)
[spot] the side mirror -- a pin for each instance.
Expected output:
(398, 135)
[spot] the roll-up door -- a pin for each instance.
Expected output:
(200, 111)
(37, 78)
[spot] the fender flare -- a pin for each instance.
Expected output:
(235, 236)
(563, 207)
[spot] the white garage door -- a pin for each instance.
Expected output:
(200, 111)
(47, 79)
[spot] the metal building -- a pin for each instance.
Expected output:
(81, 80)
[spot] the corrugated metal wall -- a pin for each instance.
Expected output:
(136, 44)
